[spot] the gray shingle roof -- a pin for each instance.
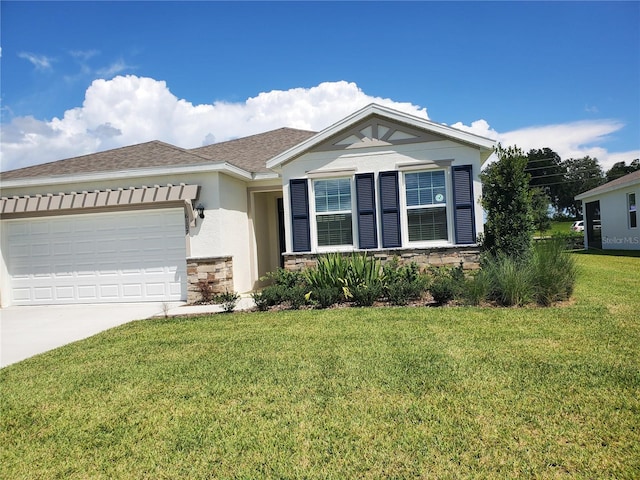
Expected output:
(143, 155)
(249, 153)
(629, 178)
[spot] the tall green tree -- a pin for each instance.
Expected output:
(540, 209)
(582, 174)
(507, 201)
(547, 173)
(620, 169)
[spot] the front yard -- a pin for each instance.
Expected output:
(453, 392)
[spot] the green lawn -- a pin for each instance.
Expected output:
(349, 393)
(563, 228)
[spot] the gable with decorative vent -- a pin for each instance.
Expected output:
(376, 132)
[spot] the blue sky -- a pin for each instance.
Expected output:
(541, 74)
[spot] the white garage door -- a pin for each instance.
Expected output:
(95, 258)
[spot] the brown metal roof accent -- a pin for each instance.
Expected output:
(98, 199)
(251, 153)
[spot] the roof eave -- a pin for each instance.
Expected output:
(222, 167)
(602, 189)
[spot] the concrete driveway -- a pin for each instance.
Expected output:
(28, 331)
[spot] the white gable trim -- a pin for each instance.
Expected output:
(393, 115)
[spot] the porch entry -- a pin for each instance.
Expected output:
(269, 226)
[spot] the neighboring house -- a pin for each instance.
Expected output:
(123, 225)
(610, 214)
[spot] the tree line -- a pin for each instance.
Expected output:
(561, 180)
(519, 188)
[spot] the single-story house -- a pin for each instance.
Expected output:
(610, 214)
(148, 222)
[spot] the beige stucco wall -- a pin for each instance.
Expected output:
(224, 232)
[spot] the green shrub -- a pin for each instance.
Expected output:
(446, 283)
(324, 297)
(442, 289)
(285, 278)
(261, 301)
(363, 280)
(364, 295)
(295, 296)
(507, 201)
(338, 277)
(363, 269)
(228, 300)
(477, 288)
(288, 287)
(403, 283)
(570, 240)
(554, 272)
(330, 271)
(511, 279)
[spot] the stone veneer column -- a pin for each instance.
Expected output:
(216, 271)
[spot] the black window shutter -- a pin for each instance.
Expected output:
(390, 209)
(463, 205)
(366, 197)
(299, 193)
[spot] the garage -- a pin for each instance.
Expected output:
(108, 257)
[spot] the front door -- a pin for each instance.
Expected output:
(593, 226)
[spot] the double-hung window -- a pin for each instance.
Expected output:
(426, 197)
(631, 205)
(333, 211)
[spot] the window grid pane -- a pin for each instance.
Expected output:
(427, 224)
(633, 219)
(333, 195)
(425, 188)
(334, 230)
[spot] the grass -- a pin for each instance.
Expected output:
(557, 227)
(347, 393)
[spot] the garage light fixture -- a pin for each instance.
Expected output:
(200, 210)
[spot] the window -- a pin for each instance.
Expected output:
(333, 212)
(631, 203)
(426, 206)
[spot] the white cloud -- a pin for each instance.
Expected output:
(83, 55)
(479, 127)
(41, 62)
(569, 140)
(128, 109)
(116, 67)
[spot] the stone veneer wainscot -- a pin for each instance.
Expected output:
(451, 256)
